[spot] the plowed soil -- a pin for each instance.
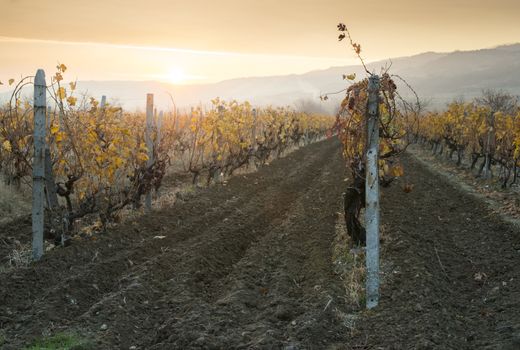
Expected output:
(248, 266)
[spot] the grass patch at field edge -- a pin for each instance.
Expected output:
(62, 341)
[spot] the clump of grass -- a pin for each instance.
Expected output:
(62, 341)
(20, 256)
(349, 265)
(13, 202)
(355, 278)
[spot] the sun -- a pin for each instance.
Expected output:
(176, 76)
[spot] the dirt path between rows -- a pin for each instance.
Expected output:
(454, 279)
(248, 266)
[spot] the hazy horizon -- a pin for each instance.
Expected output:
(160, 79)
(205, 42)
(436, 77)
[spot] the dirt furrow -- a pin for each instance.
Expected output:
(453, 282)
(248, 266)
(282, 292)
(106, 282)
(194, 275)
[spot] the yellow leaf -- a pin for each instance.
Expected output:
(62, 67)
(71, 100)
(54, 129)
(62, 93)
(351, 76)
(58, 77)
(11, 81)
(118, 162)
(7, 145)
(385, 168)
(59, 136)
(72, 85)
(397, 171)
(142, 157)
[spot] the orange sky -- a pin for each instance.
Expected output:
(203, 41)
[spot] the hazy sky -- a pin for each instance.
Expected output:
(203, 41)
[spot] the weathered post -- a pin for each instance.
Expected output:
(149, 144)
(61, 116)
(50, 184)
(38, 185)
(176, 120)
(49, 117)
(254, 145)
(159, 127)
(160, 119)
(103, 102)
(372, 194)
(253, 131)
(487, 164)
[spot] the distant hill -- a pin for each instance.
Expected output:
(437, 77)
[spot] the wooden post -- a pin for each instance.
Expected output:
(48, 119)
(159, 127)
(60, 118)
(149, 144)
(253, 135)
(160, 119)
(103, 102)
(487, 164)
(38, 185)
(176, 120)
(372, 194)
(50, 184)
(254, 145)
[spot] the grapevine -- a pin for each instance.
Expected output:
(474, 130)
(396, 118)
(99, 156)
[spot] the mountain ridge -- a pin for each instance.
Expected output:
(438, 77)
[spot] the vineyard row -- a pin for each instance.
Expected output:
(488, 134)
(100, 159)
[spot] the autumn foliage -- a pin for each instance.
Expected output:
(396, 118)
(99, 156)
(474, 130)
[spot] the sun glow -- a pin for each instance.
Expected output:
(176, 76)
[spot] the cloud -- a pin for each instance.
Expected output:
(109, 45)
(153, 48)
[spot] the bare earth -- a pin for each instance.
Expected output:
(248, 266)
